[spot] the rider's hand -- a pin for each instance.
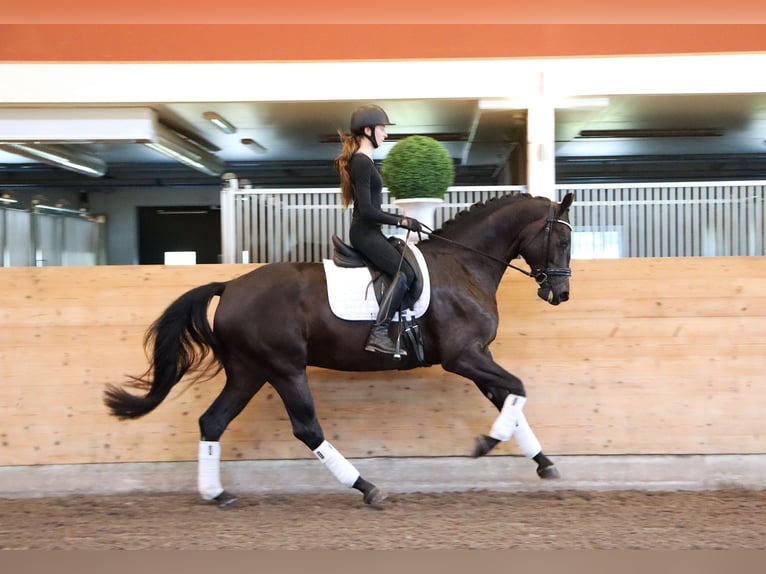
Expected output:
(410, 223)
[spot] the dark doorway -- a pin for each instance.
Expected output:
(175, 229)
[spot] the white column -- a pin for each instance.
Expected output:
(541, 142)
(228, 223)
(541, 148)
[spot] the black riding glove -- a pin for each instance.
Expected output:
(411, 223)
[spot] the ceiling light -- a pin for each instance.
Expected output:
(220, 122)
(651, 133)
(174, 146)
(526, 103)
(63, 156)
(251, 143)
(504, 104)
(59, 209)
(7, 198)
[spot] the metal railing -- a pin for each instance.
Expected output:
(297, 224)
(29, 238)
(616, 220)
(671, 220)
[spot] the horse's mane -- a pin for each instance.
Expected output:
(480, 210)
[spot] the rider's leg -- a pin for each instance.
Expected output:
(379, 340)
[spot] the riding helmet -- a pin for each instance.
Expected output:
(368, 116)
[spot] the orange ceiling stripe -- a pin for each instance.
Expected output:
(388, 12)
(311, 42)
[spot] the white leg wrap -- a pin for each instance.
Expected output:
(525, 438)
(343, 470)
(208, 469)
(505, 423)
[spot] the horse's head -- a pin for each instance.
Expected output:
(548, 253)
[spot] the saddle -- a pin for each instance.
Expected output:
(344, 255)
(343, 299)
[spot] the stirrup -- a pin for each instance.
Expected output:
(397, 351)
(377, 343)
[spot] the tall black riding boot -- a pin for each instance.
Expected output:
(379, 341)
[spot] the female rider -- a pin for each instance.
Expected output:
(361, 184)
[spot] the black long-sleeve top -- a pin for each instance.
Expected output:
(368, 188)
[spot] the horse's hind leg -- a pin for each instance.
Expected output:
(235, 395)
(296, 396)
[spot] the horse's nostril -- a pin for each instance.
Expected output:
(564, 296)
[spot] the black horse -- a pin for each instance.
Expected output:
(274, 321)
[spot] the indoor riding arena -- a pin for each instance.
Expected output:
(643, 388)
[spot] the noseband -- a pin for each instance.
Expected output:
(542, 274)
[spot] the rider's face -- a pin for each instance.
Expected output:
(380, 134)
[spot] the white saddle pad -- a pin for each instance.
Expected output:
(352, 297)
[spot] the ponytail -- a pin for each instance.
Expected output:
(350, 147)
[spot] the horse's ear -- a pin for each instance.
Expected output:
(566, 202)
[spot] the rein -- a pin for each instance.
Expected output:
(539, 275)
(471, 249)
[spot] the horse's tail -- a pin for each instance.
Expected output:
(182, 341)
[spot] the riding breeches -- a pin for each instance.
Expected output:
(375, 246)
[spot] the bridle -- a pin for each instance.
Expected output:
(541, 274)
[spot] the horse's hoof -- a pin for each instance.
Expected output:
(483, 445)
(374, 496)
(225, 500)
(549, 471)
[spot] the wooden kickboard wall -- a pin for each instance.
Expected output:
(649, 356)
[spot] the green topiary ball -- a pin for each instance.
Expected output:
(418, 166)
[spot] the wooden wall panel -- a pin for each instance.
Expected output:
(649, 356)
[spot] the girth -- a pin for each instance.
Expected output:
(344, 255)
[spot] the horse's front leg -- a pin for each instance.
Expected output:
(507, 393)
(528, 444)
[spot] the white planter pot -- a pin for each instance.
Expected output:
(420, 208)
